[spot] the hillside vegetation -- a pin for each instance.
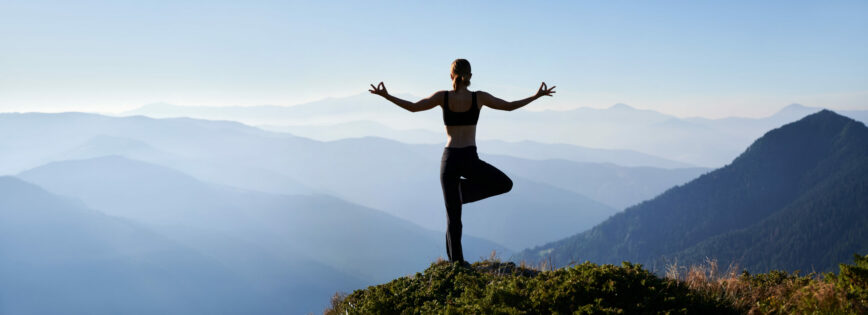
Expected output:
(494, 287)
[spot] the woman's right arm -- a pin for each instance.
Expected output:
(496, 103)
(423, 104)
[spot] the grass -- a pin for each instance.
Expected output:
(495, 287)
(779, 292)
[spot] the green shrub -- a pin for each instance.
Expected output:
(494, 287)
(491, 287)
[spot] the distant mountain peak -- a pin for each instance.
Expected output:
(621, 106)
(796, 108)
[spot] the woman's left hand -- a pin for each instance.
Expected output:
(545, 90)
(380, 89)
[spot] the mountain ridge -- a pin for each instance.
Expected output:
(708, 142)
(771, 174)
(373, 172)
(64, 252)
(160, 196)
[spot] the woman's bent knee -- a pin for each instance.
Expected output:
(507, 185)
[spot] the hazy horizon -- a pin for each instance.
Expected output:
(388, 106)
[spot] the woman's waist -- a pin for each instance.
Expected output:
(454, 143)
(460, 136)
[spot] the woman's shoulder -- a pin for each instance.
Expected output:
(482, 95)
(440, 94)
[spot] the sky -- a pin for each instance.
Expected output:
(685, 58)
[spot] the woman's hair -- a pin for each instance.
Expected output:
(460, 73)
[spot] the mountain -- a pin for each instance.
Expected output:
(524, 149)
(377, 173)
(548, 151)
(613, 185)
(536, 214)
(32, 139)
(403, 180)
(359, 128)
(318, 227)
(797, 198)
(694, 141)
(61, 257)
(238, 175)
(366, 116)
(328, 111)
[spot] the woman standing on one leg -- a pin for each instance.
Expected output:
(460, 113)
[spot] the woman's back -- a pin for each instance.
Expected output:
(460, 101)
(457, 104)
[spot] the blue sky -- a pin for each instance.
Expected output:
(687, 58)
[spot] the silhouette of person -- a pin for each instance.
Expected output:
(463, 176)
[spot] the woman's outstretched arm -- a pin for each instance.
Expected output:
(424, 104)
(496, 103)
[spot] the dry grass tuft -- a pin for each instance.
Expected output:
(769, 293)
(335, 302)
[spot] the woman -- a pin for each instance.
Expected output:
(460, 113)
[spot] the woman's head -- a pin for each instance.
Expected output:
(460, 73)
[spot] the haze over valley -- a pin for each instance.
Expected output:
(283, 213)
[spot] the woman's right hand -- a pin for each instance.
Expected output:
(543, 90)
(380, 89)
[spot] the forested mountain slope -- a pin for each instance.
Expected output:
(795, 199)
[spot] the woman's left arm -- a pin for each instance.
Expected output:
(496, 103)
(423, 104)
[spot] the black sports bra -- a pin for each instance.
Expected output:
(465, 118)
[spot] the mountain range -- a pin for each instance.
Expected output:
(288, 252)
(332, 229)
(296, 219)
(796, 199)
(693, 141)
(398, 178)
(60, 256)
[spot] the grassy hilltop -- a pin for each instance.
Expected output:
(494, 287)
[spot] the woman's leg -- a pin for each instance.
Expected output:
(482, 180)
(449, 180)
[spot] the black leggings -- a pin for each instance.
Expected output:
(481, 180)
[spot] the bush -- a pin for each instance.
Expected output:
(492, 287)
